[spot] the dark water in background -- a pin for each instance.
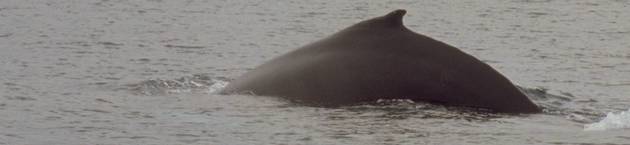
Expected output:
(142, 72)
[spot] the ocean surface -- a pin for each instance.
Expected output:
(111, 72)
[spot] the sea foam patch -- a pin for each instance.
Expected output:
(217, 86)
(612, 120)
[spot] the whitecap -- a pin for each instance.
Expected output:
(217, 85)
(612, 120)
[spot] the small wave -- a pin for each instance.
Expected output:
(611, 121)
(196, 83)
(404, 108)
(563, 104)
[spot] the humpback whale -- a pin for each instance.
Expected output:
(380, 58)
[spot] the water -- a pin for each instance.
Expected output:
(143, 72)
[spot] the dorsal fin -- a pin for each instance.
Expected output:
(392, 19)
(395, 17)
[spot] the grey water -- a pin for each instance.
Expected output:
(115, 72)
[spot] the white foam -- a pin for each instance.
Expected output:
(217, 85)
(611, 121)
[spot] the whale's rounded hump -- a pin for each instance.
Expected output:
(377, 59)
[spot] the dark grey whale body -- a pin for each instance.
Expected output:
(382, 59)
